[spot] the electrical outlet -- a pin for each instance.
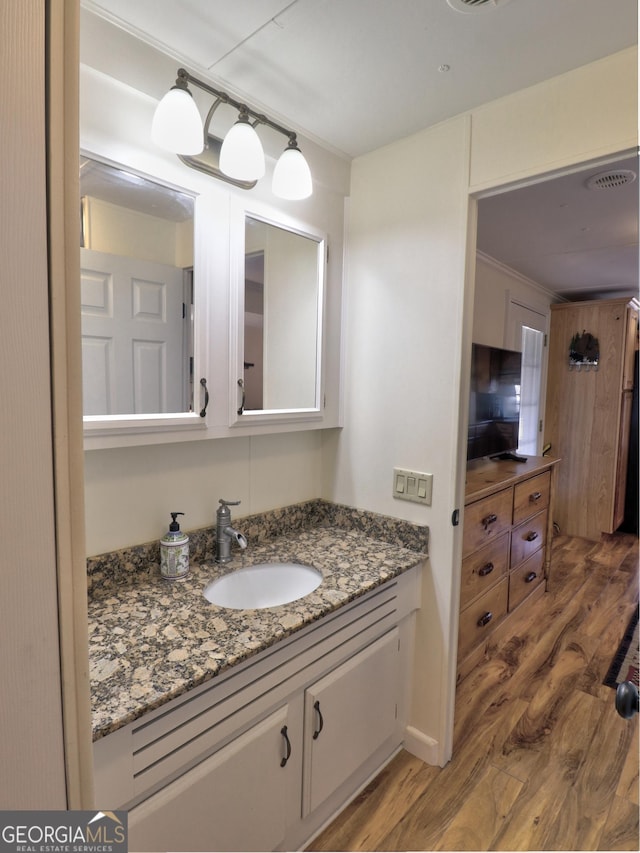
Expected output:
(412, 486)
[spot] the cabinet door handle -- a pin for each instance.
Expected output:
(283, 732)
(316, 707)
(486, 570)
(203, 410)
(484, 620)
(489, 519)
(530, 577)
(241, 385)
(535, 497)
(532, 536)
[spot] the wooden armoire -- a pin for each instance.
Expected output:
(588, 413)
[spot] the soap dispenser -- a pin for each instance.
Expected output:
(174, 551)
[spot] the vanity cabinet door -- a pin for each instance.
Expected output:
(348, 715)
(242, 797)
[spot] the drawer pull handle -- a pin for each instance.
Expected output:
(283, 732)
(530, 577)
(535, 497)
(316, 706)
(244, 396)
(489, 519)
(531, 537)
(486, 570)
(203, 410)
(484, 620)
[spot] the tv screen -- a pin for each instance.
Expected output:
(494, 403)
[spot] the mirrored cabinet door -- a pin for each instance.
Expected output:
(137, 301)
(279, 295)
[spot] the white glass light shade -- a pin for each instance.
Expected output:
(177, 125)
(241, 154)
(292, 175)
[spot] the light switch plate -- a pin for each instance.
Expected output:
(412, 486)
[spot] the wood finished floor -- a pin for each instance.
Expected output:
(542, 761)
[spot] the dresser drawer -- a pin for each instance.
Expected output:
(528, 537)
(531, 496)
(486, 520)
(480, 618)
(524, 579)
(483, 568)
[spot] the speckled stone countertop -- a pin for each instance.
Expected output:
(151, 640)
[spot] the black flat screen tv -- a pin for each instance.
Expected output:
(494, 403)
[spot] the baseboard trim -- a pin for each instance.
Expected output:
(422, 746)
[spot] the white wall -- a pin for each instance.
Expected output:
(129, 492)
(120, 231)
(404, 308)
(579, 116)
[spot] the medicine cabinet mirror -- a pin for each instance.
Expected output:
(137, 298)
(280, 291)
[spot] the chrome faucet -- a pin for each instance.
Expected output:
(225, 533)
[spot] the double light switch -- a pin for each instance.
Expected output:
(412, 486)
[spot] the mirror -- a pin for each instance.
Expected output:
(136, 292)
(282, 294)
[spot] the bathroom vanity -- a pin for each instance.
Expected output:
(249, 729)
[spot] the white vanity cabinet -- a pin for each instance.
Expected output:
(240, 798)
(349, 715)
(234, 764)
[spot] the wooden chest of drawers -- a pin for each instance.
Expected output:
(506, 548)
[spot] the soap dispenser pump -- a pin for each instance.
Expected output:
(174, 551)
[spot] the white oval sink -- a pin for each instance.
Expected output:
(263, 585)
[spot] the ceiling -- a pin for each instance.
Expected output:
(338, 71)
(577, 242)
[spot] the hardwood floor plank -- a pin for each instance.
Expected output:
(547, 796)
(422, 827)
(591, 795)
(481, 816)
(368, 819)
(536, 732)
(629, 781)
(621, 831)
(614, 604)
(487, 685)
(612, 550)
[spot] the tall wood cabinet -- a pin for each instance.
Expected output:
(588, 414)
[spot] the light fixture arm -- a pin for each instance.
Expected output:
(237, 159)
(185, 77)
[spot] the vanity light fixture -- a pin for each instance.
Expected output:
(239, 158)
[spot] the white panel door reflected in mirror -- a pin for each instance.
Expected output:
(136, 293)
(282, 318)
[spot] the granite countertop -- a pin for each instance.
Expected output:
(151, 640)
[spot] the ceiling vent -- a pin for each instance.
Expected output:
(610, 180)
(471, 6)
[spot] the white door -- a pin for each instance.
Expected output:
(526, 333)
(132, 335)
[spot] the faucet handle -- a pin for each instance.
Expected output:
(228, 503)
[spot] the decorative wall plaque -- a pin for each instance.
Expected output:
(584, 351)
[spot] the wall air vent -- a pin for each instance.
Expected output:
(470, 6)
(610, 180)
